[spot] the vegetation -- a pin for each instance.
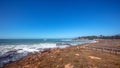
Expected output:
(71, 57)
(100, 37)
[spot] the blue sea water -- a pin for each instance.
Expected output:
(14, 49)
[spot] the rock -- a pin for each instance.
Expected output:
(77, 54)
(93, 57)
(68, 66)
(26, 66)
(60, 59)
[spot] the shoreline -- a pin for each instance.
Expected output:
(42, 50)
(40, 59)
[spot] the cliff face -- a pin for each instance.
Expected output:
(70, 57)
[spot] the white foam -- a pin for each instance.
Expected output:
(34, 47)
(18, 51)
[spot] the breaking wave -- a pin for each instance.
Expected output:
(10, 53)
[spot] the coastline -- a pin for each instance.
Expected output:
(73, 56)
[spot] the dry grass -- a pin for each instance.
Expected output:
(70, 57)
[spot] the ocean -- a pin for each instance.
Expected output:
(14, 49)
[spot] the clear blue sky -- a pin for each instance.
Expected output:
(58, 18)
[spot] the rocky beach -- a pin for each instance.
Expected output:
(79, 56)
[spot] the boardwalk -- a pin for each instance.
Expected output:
(109, 47)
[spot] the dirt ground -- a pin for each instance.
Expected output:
(72, 57)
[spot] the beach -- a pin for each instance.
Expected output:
(79, 56)
(14, 49)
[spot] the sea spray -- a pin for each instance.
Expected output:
(12, 50)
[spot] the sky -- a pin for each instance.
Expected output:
(58, 18)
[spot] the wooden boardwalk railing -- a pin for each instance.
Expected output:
(103, 49)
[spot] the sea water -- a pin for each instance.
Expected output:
(15, 49)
